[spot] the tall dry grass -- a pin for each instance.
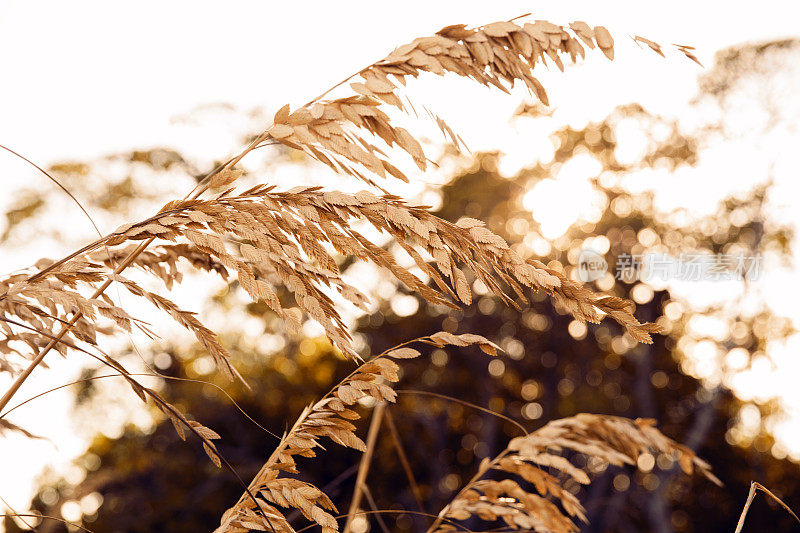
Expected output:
(295, 239)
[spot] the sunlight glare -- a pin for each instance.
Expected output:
(557, 203)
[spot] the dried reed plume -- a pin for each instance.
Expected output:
(269, 238)
(536, 458)
(283, 235)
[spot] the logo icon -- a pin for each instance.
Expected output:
(591, 266)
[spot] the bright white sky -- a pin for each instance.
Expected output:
(84, 78)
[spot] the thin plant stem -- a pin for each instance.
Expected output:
(58, 183)
(751, 496)
(144, 374)
(31, 527)
(366, 459)
(45, 517)
(401, 454)
(466, 404)
(397, 511)
(373, 505)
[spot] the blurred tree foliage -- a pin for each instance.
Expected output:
(150, 480)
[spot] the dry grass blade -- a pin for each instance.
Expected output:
(754, 485)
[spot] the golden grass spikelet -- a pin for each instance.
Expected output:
(298, 238)
(207, 338)
(286, 239)
(163, 261)
(334, 131)
(613, 440)
(39, 305)
(330, 418)
(341, 132)
(269, 238)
